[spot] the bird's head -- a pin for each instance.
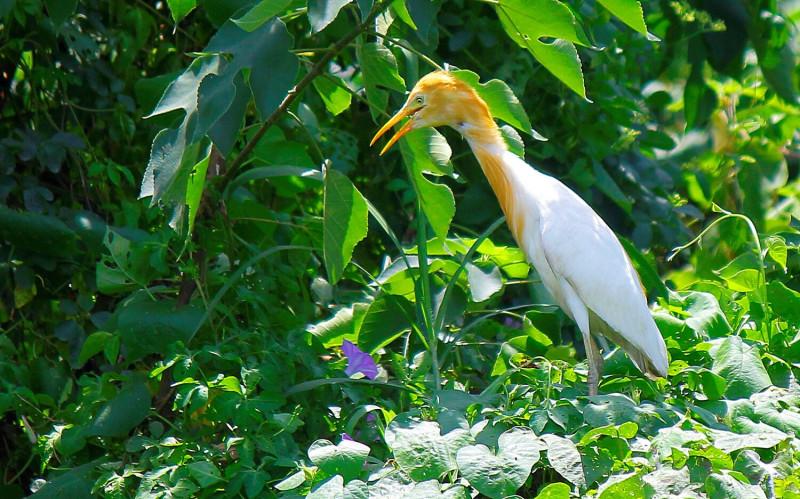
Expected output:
(438, 99)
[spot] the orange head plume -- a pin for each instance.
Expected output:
(437, 99)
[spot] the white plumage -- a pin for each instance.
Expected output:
(579, 259)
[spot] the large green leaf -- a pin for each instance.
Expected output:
(421, 450)
(784, 301)
(346, 458)
(741, 366)
(426, 151)
(502, 473)
(123, 412)
(565, 459)
(528, 21)
(265, 52)
(387, 318)
(38, 233)
(379, 70)
(344, 224)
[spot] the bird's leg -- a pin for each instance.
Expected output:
(595, 361)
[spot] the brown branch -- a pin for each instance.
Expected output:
(315, 71)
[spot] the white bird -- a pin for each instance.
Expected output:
(581, 262)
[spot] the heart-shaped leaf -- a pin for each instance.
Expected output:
(345, 459)
(421, 450)
(500, 474)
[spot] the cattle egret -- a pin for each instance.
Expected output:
(579, 259)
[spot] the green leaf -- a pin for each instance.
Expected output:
(322, 12)
(610, 188)
(148, 327)
(379, 70)
(204, 472)
(122, 413)
(565, 459)
(484, 281)
(628, 11)
(265, 52)
(626, 485)
(557, 490)
(194, 190)
(502, 473)
(741, 366)
(344, 224)
(387, 318)
(60, 10)
(725, 486)
(335, 97)
(784, 301)
(38, 233)
(261, 13)
(344, 325)
(346, 458)
(705, 315)
(181, 8)
(502, 102)
(528, 21)
(421, 450)
(427, 151)
(94, 344)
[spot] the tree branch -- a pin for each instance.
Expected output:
(315, 71)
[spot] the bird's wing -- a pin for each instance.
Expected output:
(582, 249)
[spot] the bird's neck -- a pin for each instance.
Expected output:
(492, 154)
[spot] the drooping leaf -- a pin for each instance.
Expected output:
(336, 98)
(386, 319)
(261, 13)
(379, 69)
(181, 8)
(322, 12)
(344, 224)
(427, 151)
(265, 51)
(502, 102)
(528, 21)
(628, 11)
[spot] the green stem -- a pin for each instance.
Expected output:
(425, 301)
(440, 314)
(762, 288)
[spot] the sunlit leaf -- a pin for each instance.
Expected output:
(741, 366)
(527, 22)
(501, 473)
(628, 11)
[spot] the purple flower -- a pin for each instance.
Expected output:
(358, 361)
(345, 436)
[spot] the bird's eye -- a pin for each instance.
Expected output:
(419, 100)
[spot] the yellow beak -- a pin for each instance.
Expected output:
(392, 122)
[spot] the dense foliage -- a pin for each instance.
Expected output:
(211, 285)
